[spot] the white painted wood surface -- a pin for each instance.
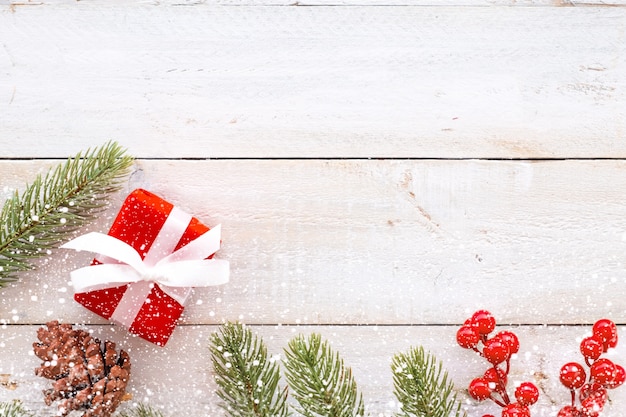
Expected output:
(262, 117)
(263, 81)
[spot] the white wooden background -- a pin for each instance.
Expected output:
(381, 169)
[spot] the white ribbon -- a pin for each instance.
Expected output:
(175, 272)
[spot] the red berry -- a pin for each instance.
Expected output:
(592, 389)
(591, 347)
(618, 378)
(606, 331)
(572, 375)
(467, 337)
(496, 376)
(568, 411)
(592, 405)
(527, 393)
(515, 410)
(510, 339)
(479, 389)
(483, 321)
(603, 371)
(496, 351)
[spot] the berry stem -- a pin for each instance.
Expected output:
(495, 400)
(573, 392)
(502, 390)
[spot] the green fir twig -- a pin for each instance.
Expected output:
(142, 410)
(422, 386)
(14, 409)
(246, 376)
(43, 216)
(319, 381)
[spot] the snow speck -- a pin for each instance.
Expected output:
(61, 300)
(199, 302)
(218, 300)
(63, 220)
(34, 298)
(31, 238)
(211, 313)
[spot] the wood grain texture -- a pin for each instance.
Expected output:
(381, 242)
(261, 82)
(178, 377)
(300, 3)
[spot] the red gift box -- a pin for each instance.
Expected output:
(155, 229)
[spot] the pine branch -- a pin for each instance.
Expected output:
(422, 386)
(142, 410)
(246, 376)
(320, 382)
(53, 206)
(14, 409)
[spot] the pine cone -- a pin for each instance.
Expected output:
(87, 376)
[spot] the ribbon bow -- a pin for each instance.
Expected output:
(186, 267)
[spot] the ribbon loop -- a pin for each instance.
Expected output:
(186, 267)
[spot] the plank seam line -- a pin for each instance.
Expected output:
(312, 325)
(358, 158)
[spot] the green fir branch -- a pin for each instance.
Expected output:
(53, 206)
(247, 378)
(14, 409)
(319, 381)
(142, 410)
(422, 386)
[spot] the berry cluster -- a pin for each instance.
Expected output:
(497, 350)
(603, 373)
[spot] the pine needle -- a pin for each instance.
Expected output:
(422, 386)
(142, 410)
(14, 409)
(319, 381)
(247, 378)
(53, 206)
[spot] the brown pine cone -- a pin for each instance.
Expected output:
(87, 376)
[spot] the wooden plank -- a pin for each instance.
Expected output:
(178, 378)
(380, 242)
(263, 82)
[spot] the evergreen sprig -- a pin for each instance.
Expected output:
(142, 410)
(48, 210)
(14, 409)
(320, 382)
(246, 376)
(422, 386)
